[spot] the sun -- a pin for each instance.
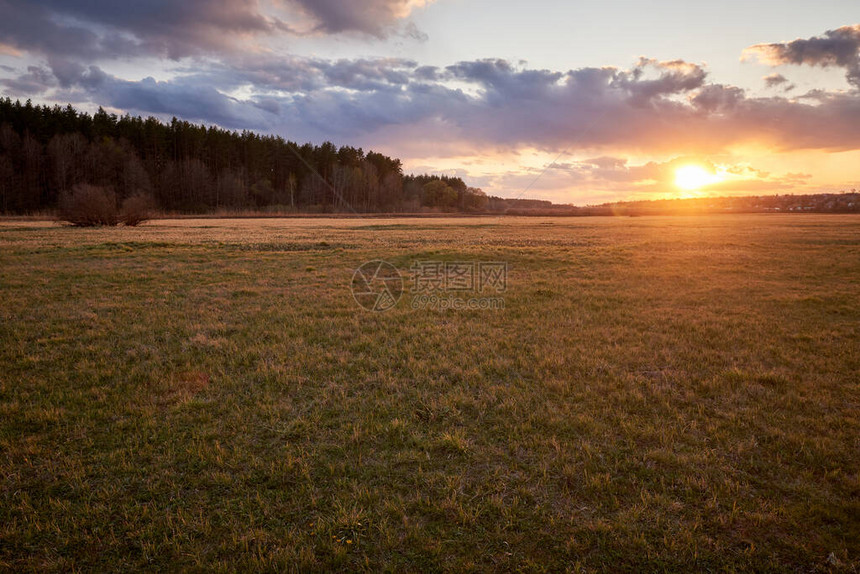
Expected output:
(692, 177)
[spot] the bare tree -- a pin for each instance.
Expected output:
(88, 206)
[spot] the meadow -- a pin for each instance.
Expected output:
(657, 394)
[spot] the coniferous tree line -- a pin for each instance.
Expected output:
(45, 151)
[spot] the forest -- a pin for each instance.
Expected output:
(46, 151)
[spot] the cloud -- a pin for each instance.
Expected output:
(674, 77)
(187, 101)
(657, 107)
(182, 98)
(95, 29)
(70, 73)
(837, 48)
(412, 32)
(108, 29)
(653, 107)
(502, 83)
(367, 16)
(776, 80)
(292, 74)
(717, 98)
(606, 162)
(30, 26)
(36, 80)
(609, 178)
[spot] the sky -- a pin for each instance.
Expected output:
(576, 102)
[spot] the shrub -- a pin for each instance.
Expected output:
(88, 206)
(136, 209)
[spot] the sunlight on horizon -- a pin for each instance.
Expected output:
(694, 177)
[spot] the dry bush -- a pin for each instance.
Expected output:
(136, 209)
(88, 206)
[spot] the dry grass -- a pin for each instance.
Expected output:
(658, 394)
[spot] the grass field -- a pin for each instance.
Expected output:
(657, 394)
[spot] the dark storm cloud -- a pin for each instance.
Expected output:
(838, 48)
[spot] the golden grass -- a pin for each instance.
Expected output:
(659, 393)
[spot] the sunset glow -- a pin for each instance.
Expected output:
(694, 177)
(429, 285)
(678, 99)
